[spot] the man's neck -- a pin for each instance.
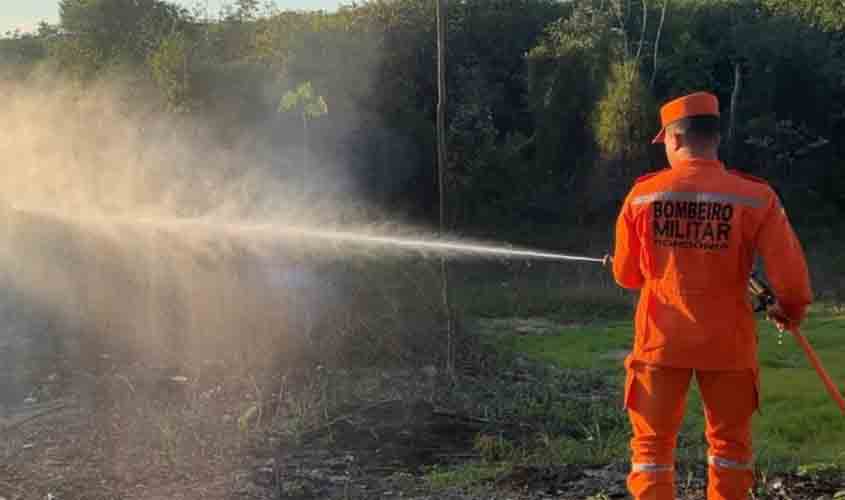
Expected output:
(690, 155)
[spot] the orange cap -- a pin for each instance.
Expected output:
(699, 103)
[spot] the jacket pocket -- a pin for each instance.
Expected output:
(649, 326)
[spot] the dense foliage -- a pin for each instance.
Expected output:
(551, 104)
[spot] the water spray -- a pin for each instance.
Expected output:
(281, 232)
(440, 245)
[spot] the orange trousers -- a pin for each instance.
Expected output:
(655, 397)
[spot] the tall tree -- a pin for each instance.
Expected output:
(104, 32)
(309, 106)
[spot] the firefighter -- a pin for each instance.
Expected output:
(686, 238)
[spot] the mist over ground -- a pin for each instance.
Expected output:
(133, 232)
(102, 151)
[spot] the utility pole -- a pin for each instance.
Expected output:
(441, 174)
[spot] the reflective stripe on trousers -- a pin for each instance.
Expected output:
(724, 463)
(651, 468)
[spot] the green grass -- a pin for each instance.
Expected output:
(466, 475)
(568, 346)
(798, 425)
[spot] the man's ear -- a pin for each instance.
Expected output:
(677, 141)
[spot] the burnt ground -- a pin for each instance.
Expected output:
(132, 433)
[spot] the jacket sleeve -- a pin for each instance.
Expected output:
(784, 260)
(626, 255)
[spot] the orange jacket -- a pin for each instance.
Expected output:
(687, 237)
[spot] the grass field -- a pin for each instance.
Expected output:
(798, 426)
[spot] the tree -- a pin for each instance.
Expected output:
(309, 105)
(170, 67)
(20, 52)
(247, 10)
(567, 71)
(99, 33)
(625, 115)
(825, 14)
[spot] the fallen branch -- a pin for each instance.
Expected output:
(440, 412)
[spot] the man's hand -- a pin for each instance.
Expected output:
(607, 261)
(783, 322)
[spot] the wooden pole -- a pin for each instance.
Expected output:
(441, 173)
(441, 107)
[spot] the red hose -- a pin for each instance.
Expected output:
(817, 364)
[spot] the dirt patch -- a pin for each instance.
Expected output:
(824, 485)
(566, 479)
(376, 448)
(130, 448)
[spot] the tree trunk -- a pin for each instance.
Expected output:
(657, 43)
(734, 103)
(621, 16)
(642, 32)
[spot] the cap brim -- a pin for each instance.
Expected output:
(658, 139)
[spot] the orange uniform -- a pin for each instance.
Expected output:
(687, 237)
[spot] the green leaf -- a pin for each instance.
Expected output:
(289, 101)
(303, 99)
(247, 417)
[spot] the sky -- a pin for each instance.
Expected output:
(26, 14)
